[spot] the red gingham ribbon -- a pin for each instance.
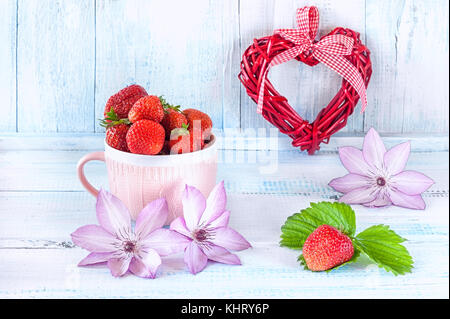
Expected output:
(330, 51)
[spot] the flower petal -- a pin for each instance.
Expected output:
(147, 265)
(221, 221)
(395, 159)
(222, 255)
(349, 182)
(411, 182)
(407, 201)
(229, 239)
(166, 242)
(95, 258)
(179, 225)
(195, 258)
(353, 160)
(151, 217)
(215, 204)
(194, 205)
(373, 149)
(112, 214)
(380, 201)
(94, 238)
(359, 196)
(118, 266)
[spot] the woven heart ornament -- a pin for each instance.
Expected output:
(341, 50)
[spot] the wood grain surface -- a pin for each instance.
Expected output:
(61, 60)
(42, 202)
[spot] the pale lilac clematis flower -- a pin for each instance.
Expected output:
(115, 242)
(377, 177)
(205, 224)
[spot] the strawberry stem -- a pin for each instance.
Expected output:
(112, 119)
(167, 105)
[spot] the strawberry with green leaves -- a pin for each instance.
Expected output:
(326, 234)
(116, 130)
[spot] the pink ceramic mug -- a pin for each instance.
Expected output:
(139, 179)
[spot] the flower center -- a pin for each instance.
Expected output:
(381, 181)
(129, 246)
(200, 235)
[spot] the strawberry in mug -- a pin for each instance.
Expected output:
(140, 163)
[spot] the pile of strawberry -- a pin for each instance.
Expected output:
(146, 124)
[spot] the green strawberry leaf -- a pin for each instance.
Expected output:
(111, 119)
(299, 226)
(383, 246)
(302, 262)
(167, 105)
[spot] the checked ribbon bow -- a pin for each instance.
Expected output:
(330, 51)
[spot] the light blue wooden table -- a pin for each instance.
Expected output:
(42, 202)
(61, 60)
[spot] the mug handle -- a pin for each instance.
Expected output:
(96, 156)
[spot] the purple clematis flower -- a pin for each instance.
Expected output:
(205, 225)
(114, 241)
(377, 177)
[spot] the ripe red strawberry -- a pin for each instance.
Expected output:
(123, 100)
(173, 119)
(116, 130)
(184, 140)
(326, 247)
(147, 108)
(145, 137)
(197, 118)
(116, 137)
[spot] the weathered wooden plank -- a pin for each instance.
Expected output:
(8, 36)
(255, 20)
(55, 274)
(226, 140)
(175, 51)
(44, 220)
(409, 90)
(45, 216)
(423, 43)
(115, 51)
(180, 53)
(231, 109)
(263, 172)
(52, 171)
(307, 89)
(55, 70)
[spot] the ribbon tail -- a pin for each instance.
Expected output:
(347, 70)
(261, 93)
(280, 58)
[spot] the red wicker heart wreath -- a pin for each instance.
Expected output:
(339, 45)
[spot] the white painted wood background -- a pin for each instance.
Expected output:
(61, 59)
